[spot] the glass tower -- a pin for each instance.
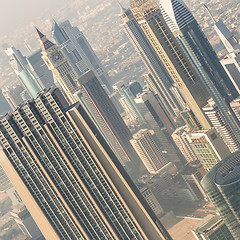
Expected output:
(79, 52)
(174, 58)
(20, 66)
(222, 185)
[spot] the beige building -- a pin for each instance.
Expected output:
(208, 147)
(145, 144)
(173, 57)
(67, 175)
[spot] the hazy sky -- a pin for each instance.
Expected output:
(16, 13)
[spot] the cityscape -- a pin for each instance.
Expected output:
(120, 120)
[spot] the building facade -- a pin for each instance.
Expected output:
(174, 58)
(20, 66)
(222, 186)
(71, 182)
(79, 52)
(147, 147)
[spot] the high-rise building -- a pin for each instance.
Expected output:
(230, 62)
(174, 58)
(192, 175)
(187, 31)
(190, 119)
(211, 228)
(70, 180)
(180, 138)
(151, 200)
(147, 147)
(208, 146)
(235, 105)
(135, 88)
(159, 79)
(64, 75)
(127, 101)
(222, 186)
(105, 115)
(201, 55)
(223, 127)
(158, 121)
(13, 95)
(40, 69)
(228, 39)
(79, 52)
(19, 64)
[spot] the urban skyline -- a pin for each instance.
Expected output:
(102, 142)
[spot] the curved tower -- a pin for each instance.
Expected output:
(222, 185)
(186, 29)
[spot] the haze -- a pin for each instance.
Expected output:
(15, 13)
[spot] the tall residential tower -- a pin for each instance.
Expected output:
(72, 183)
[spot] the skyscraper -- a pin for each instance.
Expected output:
(159, 79)
(158, 121)
(19, 64)
(79, 52)
(222, 186)
(174, 58)
(147, 147)
(127, 101)
(200, 52)
(40, 69)
(72, 183)
(208, 146)
(223, 127)
(231, 61)
(64, 75)
(105, 115)
(13, 95)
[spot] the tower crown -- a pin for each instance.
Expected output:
(46, 43)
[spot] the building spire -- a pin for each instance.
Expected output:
(121, 7)
(210, 14)
(46, 43)
(40, 35)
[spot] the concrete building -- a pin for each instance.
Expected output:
(147, 147)
(152, 201)
(70, 180)
(180, 138)
(208, 146)
(192, 175)
(223, 127)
